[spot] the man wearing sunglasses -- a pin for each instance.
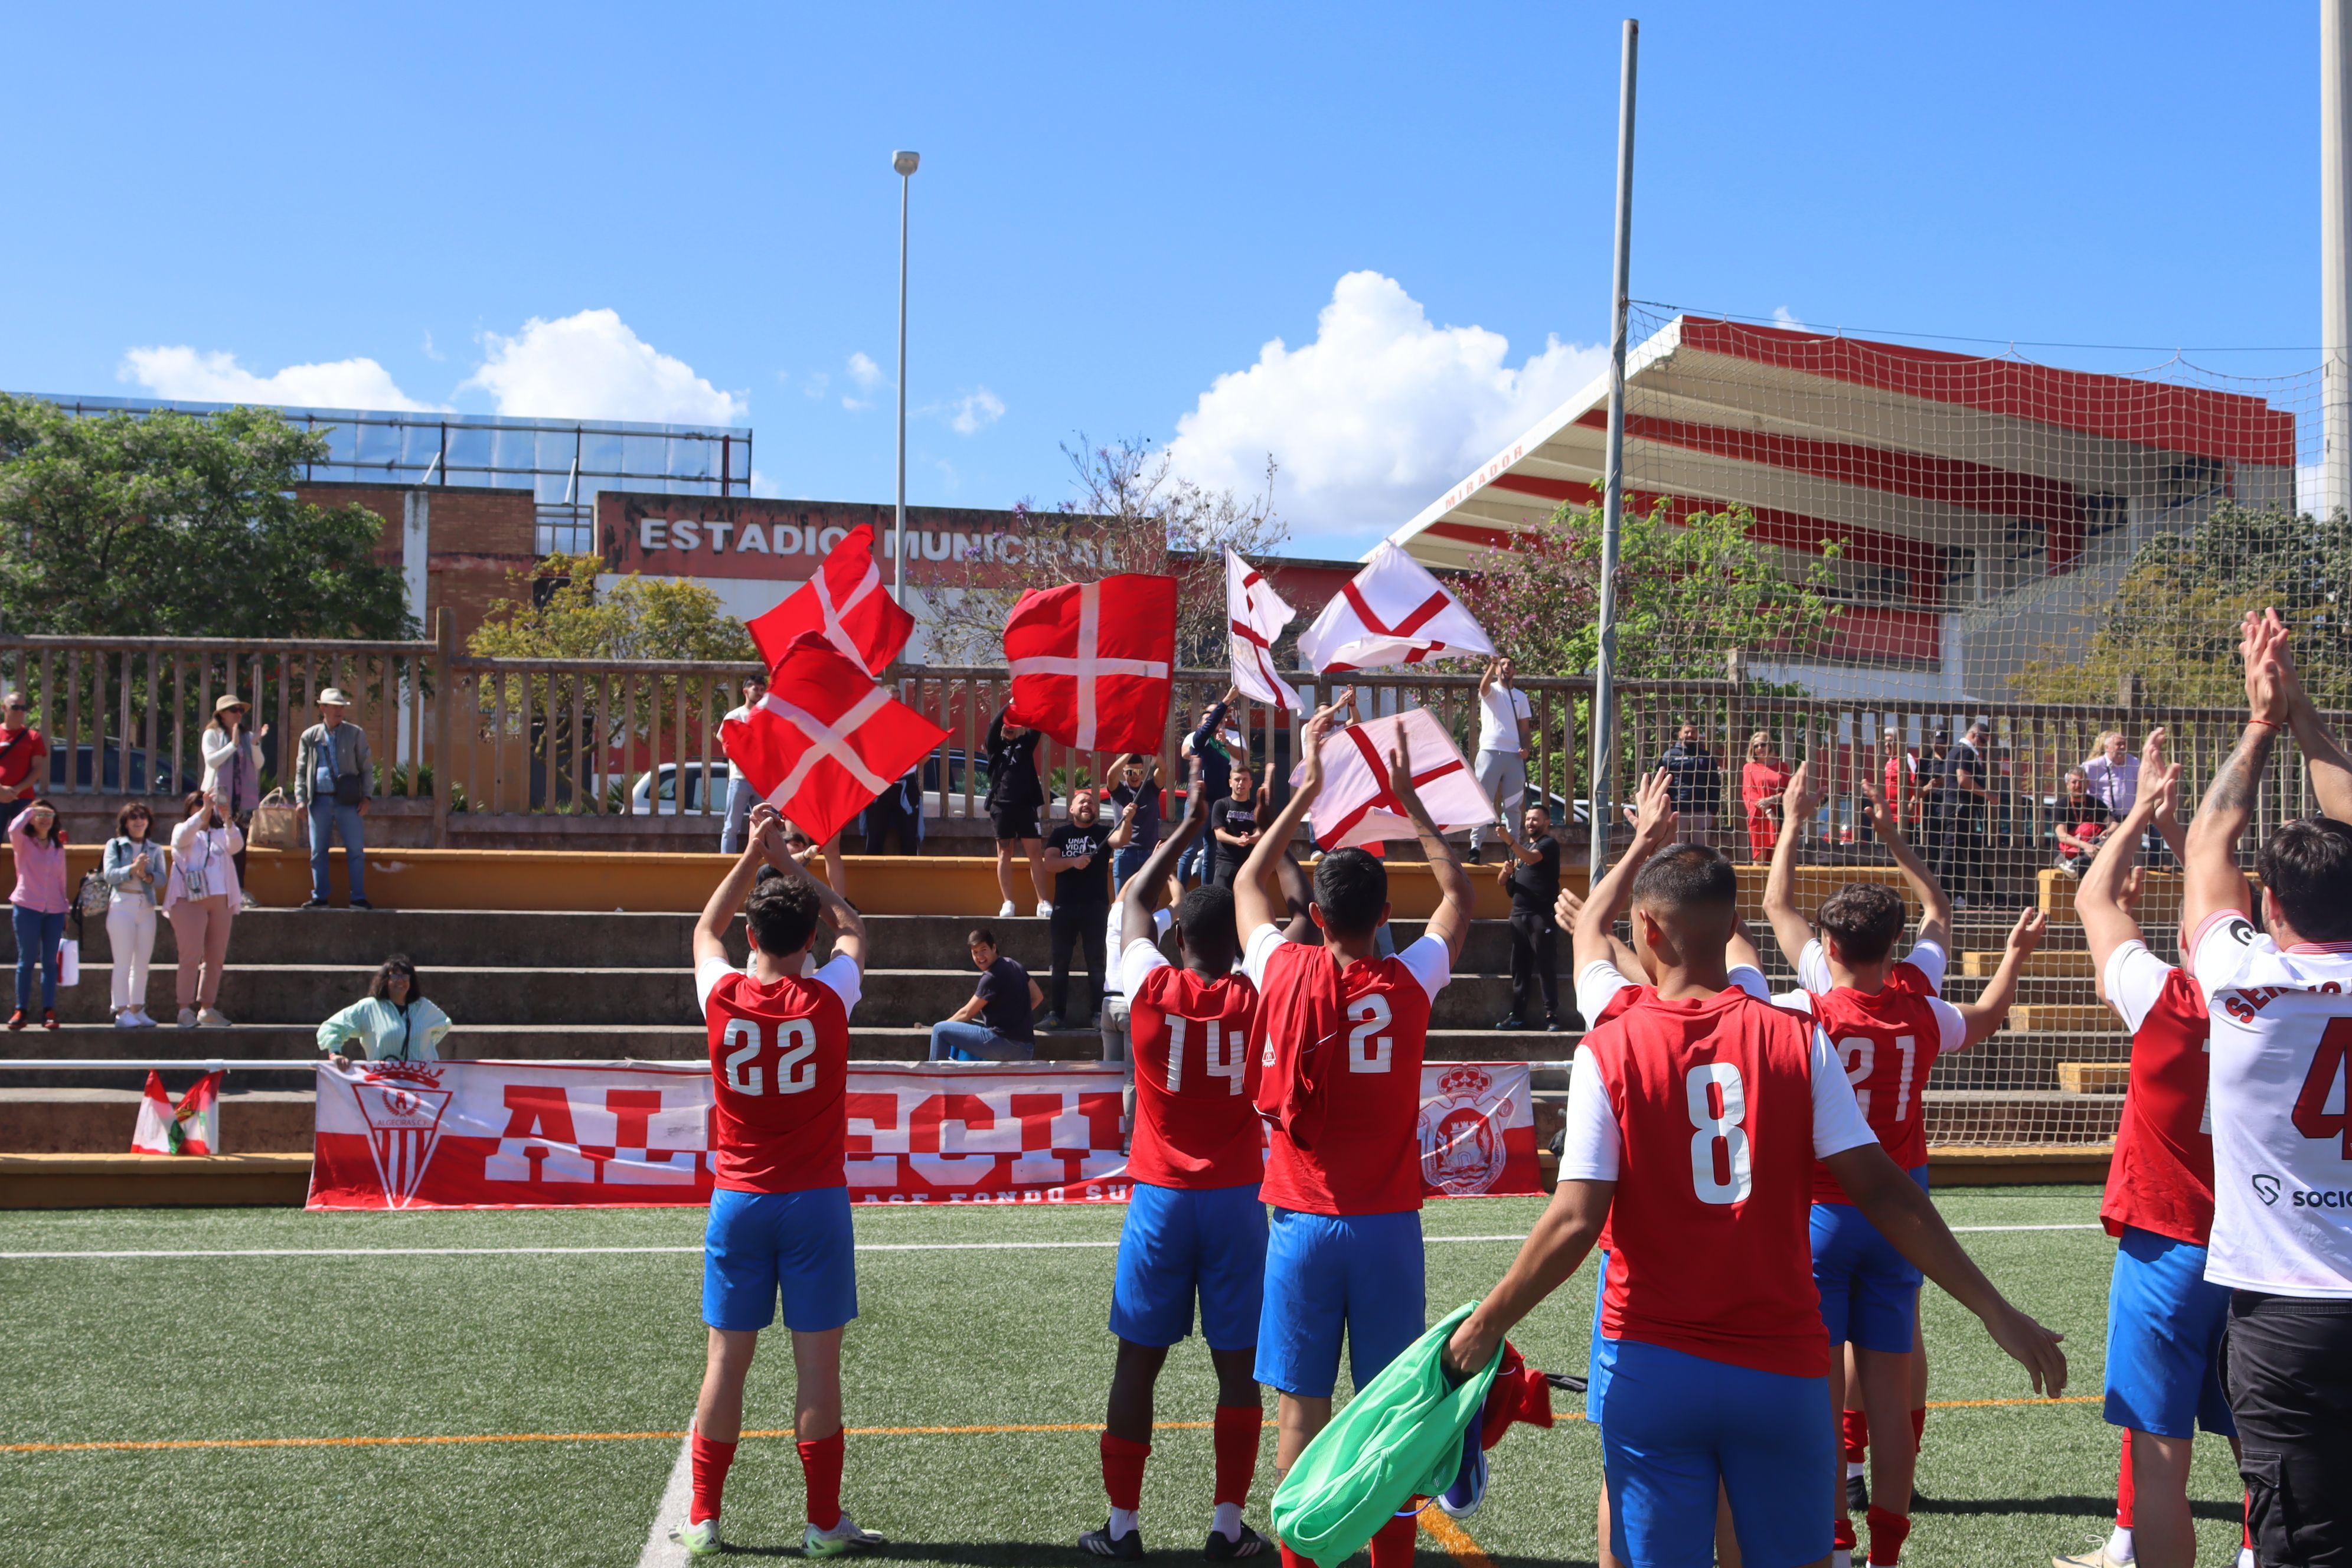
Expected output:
(21, 750)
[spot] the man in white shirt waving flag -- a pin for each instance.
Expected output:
(2279, 1002)
(1256, 614)
(1392, 612)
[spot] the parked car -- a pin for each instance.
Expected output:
(105, 767)
(656, 793)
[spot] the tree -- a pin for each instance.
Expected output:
(1131, 513)
(2172, 623)
(558, 611)
(181, 525)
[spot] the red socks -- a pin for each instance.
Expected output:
(821, 1465)
(1918, 1428)
(1842, 1535)
(1393, 1547)
(1292, 1560)
(1235, 1434)
(1856, 1426)
(710, 1462)
(2124, 1487)
(1887, 1532)
(1122, 1466)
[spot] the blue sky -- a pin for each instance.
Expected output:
(1118, 206)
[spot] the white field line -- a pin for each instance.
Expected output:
(639, 1251)
(661, 1551)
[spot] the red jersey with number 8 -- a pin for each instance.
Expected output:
(1888, 1044)
(1195, 1124)
(780, 1076)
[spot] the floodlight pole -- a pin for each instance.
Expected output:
(2336, 255)
(905, 163)
(1612, 485)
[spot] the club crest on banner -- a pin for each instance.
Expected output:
(402, 1102)
(1460, 1131)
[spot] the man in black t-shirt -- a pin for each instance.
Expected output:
(1079, 852)
(1233, 820)
(994, 1025)
(1532, 874)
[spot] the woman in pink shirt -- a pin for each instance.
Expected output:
(38, 908)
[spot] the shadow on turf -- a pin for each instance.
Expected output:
(2230, 1512)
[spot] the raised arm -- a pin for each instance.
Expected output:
(1451, 923)
(1590, 939)
(1143, 890)
(1790, 928)
(710, 929)
(2324, 759)
(2212, 880)
(2167, 804)
(1935, 904)
(2099, 902)
(1986, 1014)
(1258, 901)
(767, 832)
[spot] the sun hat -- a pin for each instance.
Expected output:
(334, 697)
(229, 699)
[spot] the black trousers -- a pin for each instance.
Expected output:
(882, 821)
(2288, 1365)
(1957, 854)
(1072, 927)
(1535, 962)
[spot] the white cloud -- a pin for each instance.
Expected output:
(1784, 317)
(867, 376)
(975, 411)
(591, 366)
(1375, 417)
(180, 371)
(430, 352)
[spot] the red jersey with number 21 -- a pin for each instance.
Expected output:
(780, 1076)
(1195, 1122)
(1888, 1042)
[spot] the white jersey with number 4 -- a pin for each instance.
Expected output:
(2282, 1058)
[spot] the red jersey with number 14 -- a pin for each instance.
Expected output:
(780, 1076)
(1888, 1042)
(1195, 1124)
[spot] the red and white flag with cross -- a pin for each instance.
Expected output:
(845, 604)
(826, 739)
(1092, 662)
(1392, 612)
(1255, 615)
(1357, 807)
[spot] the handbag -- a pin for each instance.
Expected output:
(350, 789)
(274, 825)
(196, 869)
(68, 961)
(94, 895)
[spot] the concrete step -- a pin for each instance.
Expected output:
(2046, 964)
(2076, 1017)
(2025, 1060)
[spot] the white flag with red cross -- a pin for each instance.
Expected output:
(1256, 614)
(1357, 807)
(826, 739)
(191, 1127)
(1392, 611)
(844, 603)
(1092, 663)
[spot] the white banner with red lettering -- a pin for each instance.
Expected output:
(494, 1134)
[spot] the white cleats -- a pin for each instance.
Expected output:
(844, 1539)
(700, 1540)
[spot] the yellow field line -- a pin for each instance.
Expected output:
(1453, 1538)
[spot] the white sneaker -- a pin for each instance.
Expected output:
(140, 1016)
(213, 1019)
(127, 1020)
(842, 1540)
(1043, 909)
(187, 1017)
(1005, 910)
(700, 1540)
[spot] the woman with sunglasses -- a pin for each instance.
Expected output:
(233, 769)
(38, 908)
(22, 747)
(137, 872)
(200, 900)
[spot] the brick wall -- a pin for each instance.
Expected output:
(477, 535)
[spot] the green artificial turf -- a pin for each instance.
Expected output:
(196, 1348)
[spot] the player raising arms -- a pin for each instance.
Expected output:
(1195, 1225)
(1341, 1033)
(780, 1216)
(1694, 1116)
(1888, 1024)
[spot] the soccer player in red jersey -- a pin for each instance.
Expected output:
(1888, 1024)
(1341, 1033)
(1195, 1225)
(780, 1216)
(1695, 1118)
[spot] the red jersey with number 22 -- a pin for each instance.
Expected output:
(780, 1075)
(1195, 1122)
(1888, 1042)
(1711, 1249)
(1365, 1154)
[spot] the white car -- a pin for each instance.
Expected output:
(656, 793)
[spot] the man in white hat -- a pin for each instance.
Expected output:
(331, 776)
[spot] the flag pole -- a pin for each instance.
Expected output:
(1612, 490)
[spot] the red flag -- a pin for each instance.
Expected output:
(826, 739)
(1091, 661)
(845, 604)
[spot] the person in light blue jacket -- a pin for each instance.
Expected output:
(392, 1023)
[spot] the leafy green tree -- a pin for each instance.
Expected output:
(556, 611)
(169, 524)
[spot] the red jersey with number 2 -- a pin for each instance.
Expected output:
(780, 1075)
(1710, 1242)
(1889, 1042)
(1366, 1158)
(1196, 1124)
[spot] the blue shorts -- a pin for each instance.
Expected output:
(2165, 1323)
(1673, 1425)
(1324, 1273)
(1177, 1242)
(1593, 1347)
(760, 1245)
(1870, 1292)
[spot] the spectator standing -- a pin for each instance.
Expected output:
(2113, 774)
(1898, 783)
(741, 795)
(1215, 746)
(1532, 875)
(393, 1021)
(232, 755)
(1016, 803)
(1233, 823)
(996, 1024)
(1762, 781)
(330, 789)
(1081, 848)
(1694, 783)
(200, 900)
(38, 908)
(1962, 799)
(2082, 816)
(897, 811)
(22, 747)
(1501, 766)
(136, 871)
(1135, 802)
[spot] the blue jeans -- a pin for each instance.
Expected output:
(1126, 862)
(740, 798)
(1194, 864)
(37, 936)
(954, 1042)
(330, 821)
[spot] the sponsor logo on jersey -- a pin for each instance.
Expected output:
(2266, 1187)
(403, 1103)
(2337, 1199)
(1461, 1133)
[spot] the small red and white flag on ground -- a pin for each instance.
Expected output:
(844, 603)
(1256, 615)
(1092, 662)
(191, 1127)
(826, 739)
(1392, 611)
(1357, 807)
